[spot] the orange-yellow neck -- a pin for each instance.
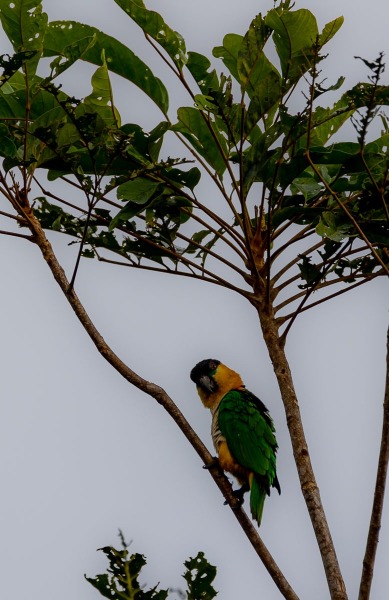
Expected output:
(227, 380)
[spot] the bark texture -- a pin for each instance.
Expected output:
(379, 493)
(308, 483)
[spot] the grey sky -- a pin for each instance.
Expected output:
(83, 453)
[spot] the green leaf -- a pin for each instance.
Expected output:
(229, 52)
(330, 30)
(71, 54)
(137, 190)
(188, 179)
(101, 99)
(67, 135)
(327, 121)
(205, 102)
(307, 186)
(295, 33)
(210, 146)
(336, 153)
(379, 146)
(120, 59)
(155, 139)
(138, 193)
(7, 144)
(122, 580)
(258, 77)
(25, 24)
(329, 227)
(198, 65)
(197, 238)
(309, 272)
(199, 577)
(153, 24)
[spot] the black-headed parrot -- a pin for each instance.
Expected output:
(242, 431)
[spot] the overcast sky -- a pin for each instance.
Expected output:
(84, 454)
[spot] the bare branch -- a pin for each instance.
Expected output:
(19, 235)
(164, 400)
(330, 296)
(379, 493)
(133, 265)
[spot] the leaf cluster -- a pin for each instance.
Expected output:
(121, 581)
(282, 178)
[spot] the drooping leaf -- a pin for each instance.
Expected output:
(153, 24)
(101, 98)
(155, 139)
(258, 77)
(181, 178)
(308, 186)
(205, 139)
(295, 33)
(229, 52)
(25, 24)
(120, 59)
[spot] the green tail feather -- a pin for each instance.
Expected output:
(257, 499)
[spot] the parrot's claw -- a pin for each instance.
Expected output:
(239, 494)
(212, 464)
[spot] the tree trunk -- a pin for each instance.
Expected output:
(308, 483)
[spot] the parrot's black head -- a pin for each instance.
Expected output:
(202, 375)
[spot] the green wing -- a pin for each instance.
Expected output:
(249, 431)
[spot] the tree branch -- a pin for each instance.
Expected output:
(379, 493)
(19, 235)
(162, 398)
(285, 318)
(344, 208)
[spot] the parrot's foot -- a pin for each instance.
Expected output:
(239, 494)
(214, 463)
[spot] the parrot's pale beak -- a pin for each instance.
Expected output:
(208, 384)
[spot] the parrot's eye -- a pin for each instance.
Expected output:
(213, 366)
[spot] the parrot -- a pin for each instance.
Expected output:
(242, 430)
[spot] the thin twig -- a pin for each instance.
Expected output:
(334, 295)
(322, 284)
(19, 235)
(379, 493)
(315, 286)
(192, 274)
(348, 213)
(80, 250)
